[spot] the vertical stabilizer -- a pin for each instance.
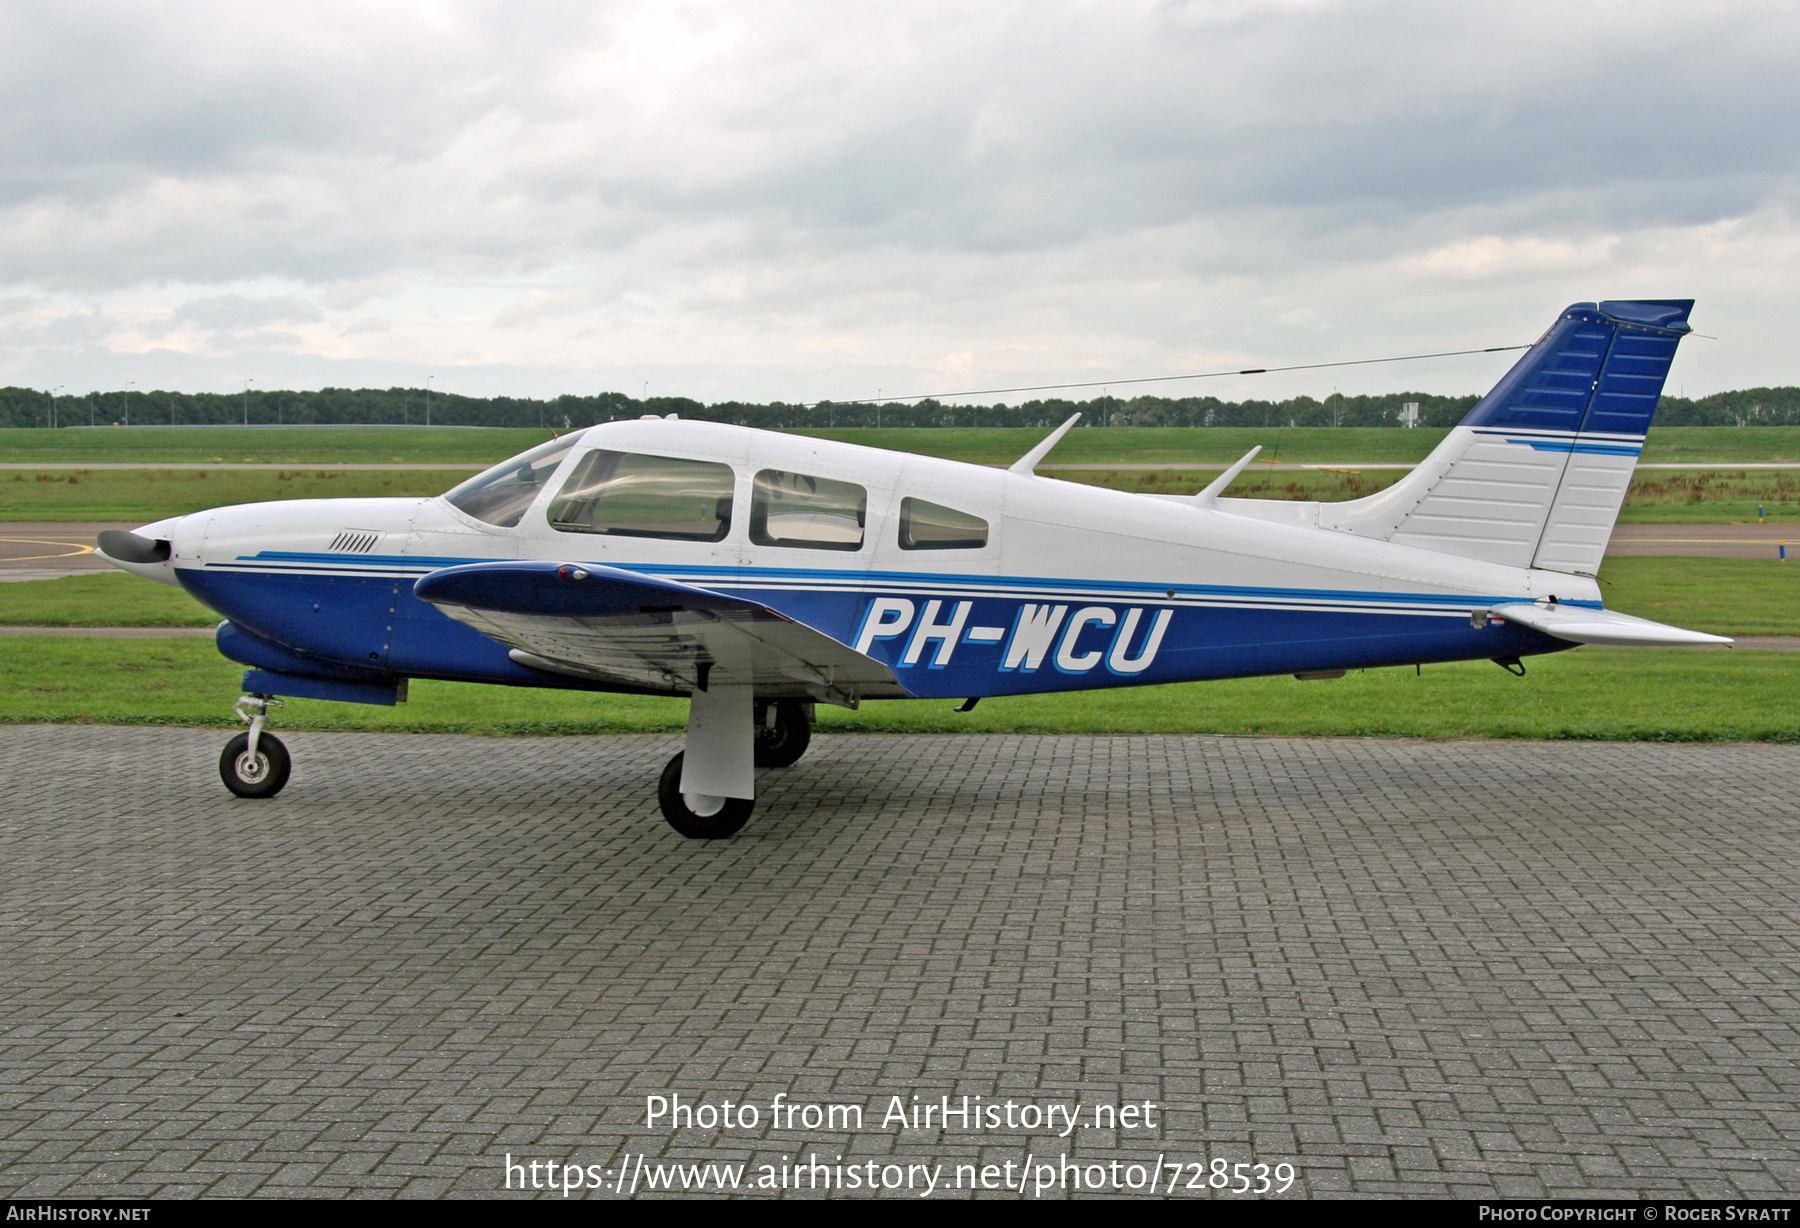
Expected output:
(1535, 475)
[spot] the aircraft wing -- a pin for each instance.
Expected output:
(1581, 625)
(603, 623)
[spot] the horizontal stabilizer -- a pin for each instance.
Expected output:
(587, 620)
(1582, 625)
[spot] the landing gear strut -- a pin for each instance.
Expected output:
(707, 791)
(255, 763)
(699, 816)
(783, 732)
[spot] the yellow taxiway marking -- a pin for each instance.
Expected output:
(74, 551)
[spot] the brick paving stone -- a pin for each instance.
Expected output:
(1408, 968)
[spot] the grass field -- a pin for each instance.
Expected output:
(148, 494)
(1122, 445)
(267, 445)
(1718, 496)
(1609, 694)
(151, 494)
(1297, 445)
(1153, 445)
(1656, 496)
(1590, 693)
(100, 599)
(1254, 483)
(1723, 596)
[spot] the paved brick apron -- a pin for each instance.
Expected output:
(1407, 967)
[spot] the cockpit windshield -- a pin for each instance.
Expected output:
(501, 494)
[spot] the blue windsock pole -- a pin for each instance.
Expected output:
(1759, 513)
(1783, 546)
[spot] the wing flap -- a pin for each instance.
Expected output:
(1581, 625)
(611, 625)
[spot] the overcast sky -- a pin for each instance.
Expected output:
(795, 201)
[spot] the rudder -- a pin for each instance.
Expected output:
(1605, 450)
(1535, 474)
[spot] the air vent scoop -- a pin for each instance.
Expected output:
(355, 541)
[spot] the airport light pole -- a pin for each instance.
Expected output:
(247, 384)
(53, 393)
(428, 380)
(129, 385)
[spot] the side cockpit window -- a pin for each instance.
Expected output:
(629, 494)
(796, 509)
(501, 495)
(932, 526)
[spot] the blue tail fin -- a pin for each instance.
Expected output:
(1599, 370)
(1535, 475)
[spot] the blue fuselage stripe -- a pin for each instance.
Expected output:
(361, 611)
(774, 579)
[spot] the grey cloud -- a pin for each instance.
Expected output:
(78, 328)
(65, 331)
(264, 339)
(344, 295)
(214, 143)
(237, 313)
(816, 183)
(548, 303)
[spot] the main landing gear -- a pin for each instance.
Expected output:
(255, 763)
(699, 816)
(712, 800)
(783, 732)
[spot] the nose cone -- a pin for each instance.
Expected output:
(146, 552)
(116, 545)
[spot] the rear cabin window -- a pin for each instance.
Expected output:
(501, 495)
(796, 509)
(932, 526)
(629, 494)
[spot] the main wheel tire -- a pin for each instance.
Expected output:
(782, 743)
(262, 777)
(723, 817)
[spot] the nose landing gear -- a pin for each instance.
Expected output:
(255, 763)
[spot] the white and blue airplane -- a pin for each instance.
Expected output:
(761, 574)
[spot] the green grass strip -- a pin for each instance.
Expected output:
(1605, 694)
(1655, 497)
(151, 494)
(1722, 596)
(268, 445)
(1001, 445)
(100, 599)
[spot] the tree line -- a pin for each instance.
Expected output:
(27, 407)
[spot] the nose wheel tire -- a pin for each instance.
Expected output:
(261, 776)
(696, 816)
(782, 742)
